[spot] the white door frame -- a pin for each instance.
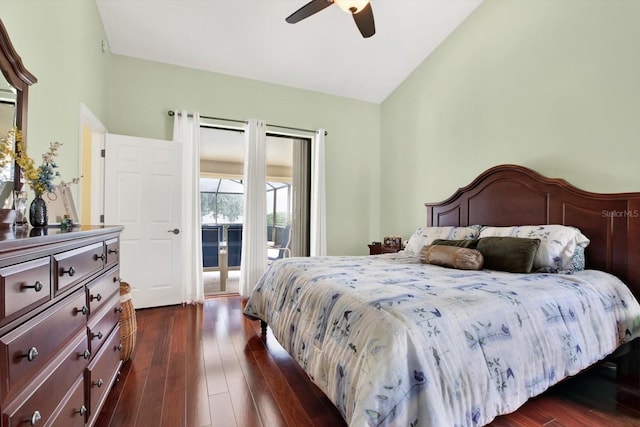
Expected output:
(96, 180)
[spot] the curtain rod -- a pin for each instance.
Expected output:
(173, 113)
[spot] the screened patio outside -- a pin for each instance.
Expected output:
(221, 203)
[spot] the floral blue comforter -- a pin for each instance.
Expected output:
(394, 342)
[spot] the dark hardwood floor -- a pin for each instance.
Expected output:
(208, 366)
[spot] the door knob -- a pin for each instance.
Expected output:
(175, 231)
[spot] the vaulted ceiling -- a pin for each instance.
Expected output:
(250, 38)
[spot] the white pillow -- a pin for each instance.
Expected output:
(425, 236)
(557, 248)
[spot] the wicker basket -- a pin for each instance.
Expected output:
(128, 326)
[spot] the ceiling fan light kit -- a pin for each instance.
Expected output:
(359, 9)
(352, 6)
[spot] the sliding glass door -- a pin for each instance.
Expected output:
(221, 190)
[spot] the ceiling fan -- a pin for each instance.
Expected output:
(359, 9)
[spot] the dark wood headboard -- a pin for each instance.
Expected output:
(514, 195)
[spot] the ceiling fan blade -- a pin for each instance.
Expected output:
(314, 6)
(364, 21)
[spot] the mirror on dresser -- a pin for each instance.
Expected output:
(14, 88)
(7, 121)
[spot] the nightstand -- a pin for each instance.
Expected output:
(383, 249)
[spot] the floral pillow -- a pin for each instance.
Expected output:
(424, 236)
(561, 247)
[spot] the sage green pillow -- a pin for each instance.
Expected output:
(466, 243)
(512, 254)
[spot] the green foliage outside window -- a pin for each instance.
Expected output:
(281, 218)
(229, 206)
(208, 203)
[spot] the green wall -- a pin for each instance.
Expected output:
(60, 44)
(551, 85)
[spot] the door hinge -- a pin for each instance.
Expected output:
(101, 219)
(103, 152)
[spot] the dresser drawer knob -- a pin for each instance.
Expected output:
(82, 411)
(35, 418)
(98, 335)
(84, 310)
(86, 354)
(100, 257)
(96, 297)
(98, 383)
(116, 279)
(112, 251)
(118, 310)
(31, 354)
(71, 271)
(118, 347)
(36, 286)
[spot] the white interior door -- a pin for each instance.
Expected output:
(142, 193)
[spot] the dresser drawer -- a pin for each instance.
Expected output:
(102, 323)
(101, 373)
(103, 288)
(113, 250)
(72, 412)
(24, 287)
(51, 388)
(30, 347)
(73, 266)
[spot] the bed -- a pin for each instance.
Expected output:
(393, 341)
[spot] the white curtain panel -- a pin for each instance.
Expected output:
(186, 129)
(318, 232)
(254, 235)
(300, 197)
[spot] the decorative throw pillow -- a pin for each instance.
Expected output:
(511, 254)
(451, 256)
(425, 236)
(577, 261)
(558, 251)
(464, 243)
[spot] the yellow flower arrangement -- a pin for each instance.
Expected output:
(39, 178)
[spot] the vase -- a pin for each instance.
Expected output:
(20, 206)
(38, 212)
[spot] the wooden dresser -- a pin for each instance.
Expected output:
(59, 331)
